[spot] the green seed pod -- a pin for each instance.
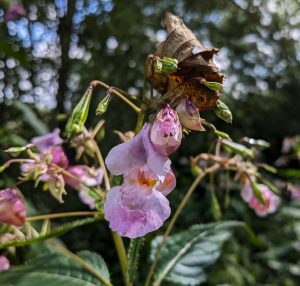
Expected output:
(223, 111)
(166, 65)
(257, 192)
(79, 115)
(213, 85)
(238, 148)
(222, 135)
(103, 105)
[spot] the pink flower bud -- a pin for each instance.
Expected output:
(189, 115)
(4, 263)
(12, 208)
(166, 131)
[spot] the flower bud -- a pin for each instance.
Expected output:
(166, 131)
(189, 115)
(103, 104)
(166, 65)
(223, 111)
(12, 208)
(79, 115)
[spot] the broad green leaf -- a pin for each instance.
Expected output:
(186, 256)
(30, 117)
(57, 269)
(56, 231)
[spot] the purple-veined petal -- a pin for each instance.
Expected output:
(134, 211)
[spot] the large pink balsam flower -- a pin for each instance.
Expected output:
(12, 207)
(189, 115)
(166, 131)
(271, 200)
(136, 153)
(46, 142)
(139, 205)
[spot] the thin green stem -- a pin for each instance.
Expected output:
(86, 265)
(117, 93)
(122, 257)
(140, 122)
(60, 215)
(175, 217)
(117, 239)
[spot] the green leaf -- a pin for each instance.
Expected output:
(30, 117)
(56, 269)
(223, 111)
(56, 231)
(186, 256)
(134, 257)
(213, 85)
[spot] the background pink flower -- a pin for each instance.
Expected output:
(12, 207)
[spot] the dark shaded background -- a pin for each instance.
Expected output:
(49, 56)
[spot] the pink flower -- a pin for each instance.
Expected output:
(139, 205)
(12, 208)
(86, 199)
(166, 131)
(271, 200)
(189, 115)
(4, 263)
(46, 142)
(89, 176)
(14, 12)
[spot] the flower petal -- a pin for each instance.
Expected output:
(45, 142)
(12, 207)
(127, 155)
(134, 212)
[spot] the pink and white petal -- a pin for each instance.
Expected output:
(127, 155)
(168, 185)
(159, 164)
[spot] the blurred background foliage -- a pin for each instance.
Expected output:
(49, 55)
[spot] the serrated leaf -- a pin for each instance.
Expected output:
(56, 231)
(186, 256)
(57, 269)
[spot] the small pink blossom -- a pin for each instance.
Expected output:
(46, 142)
(271, 200)
(4, 263)
(89, 176)
(189, 115)
(14, 12)
(166, 131)
(86, 199)
(12, 207)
